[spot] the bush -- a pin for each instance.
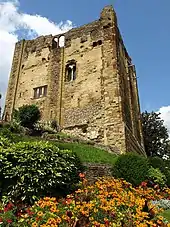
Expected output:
(43, 127)
(15, 127)
(27, 115)
(161, 164)
(162, 203)
(6, 133)
(4, 142)
(157, 177)
(131, 167)
(55, 125)
(34, 169)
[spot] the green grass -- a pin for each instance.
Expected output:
(166, 214)
(86, 153)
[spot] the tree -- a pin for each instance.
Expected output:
(27, 115)
(155, 134)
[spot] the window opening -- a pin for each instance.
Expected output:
(71, 72)
(40, 92)
(62, 41)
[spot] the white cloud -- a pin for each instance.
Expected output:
(165, 115)
(12, 21)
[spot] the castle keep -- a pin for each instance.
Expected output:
(84, 79)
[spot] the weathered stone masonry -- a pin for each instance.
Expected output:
(84, 79)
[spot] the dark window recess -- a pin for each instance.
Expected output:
(107, 26)
(40, 92)
(43, 60)
(94, 44)
(98, 43)
(70, 72)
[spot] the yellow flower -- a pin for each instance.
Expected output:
(40, 213)
(34, 224)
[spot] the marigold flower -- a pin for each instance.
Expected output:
(40, 213)
(81, 175)
(34, 224)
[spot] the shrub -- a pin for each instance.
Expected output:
(162, 203)
(6, 133)
(15, 127)
(161, 164)
(4, 142)
(55, 125)
(27, 115)
(33, 169)
(43, 127)
(157, 177)
(131, 167)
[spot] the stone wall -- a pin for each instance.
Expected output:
(94, 171)
(100, 103)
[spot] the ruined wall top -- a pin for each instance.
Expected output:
(107, 18)
(106, 13)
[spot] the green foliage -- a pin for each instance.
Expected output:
(155, 134)
(27, 115)
(12, 137)
(162, 165)
(4, 142)
(44, 127)
(5, 132)
(33, 169)
(166, 214)
(15, 127)
(157, 177)
(55, 125)
(131, 167)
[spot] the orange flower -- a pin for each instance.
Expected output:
(34, 224)
(82, 175)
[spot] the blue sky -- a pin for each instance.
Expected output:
(145, 27)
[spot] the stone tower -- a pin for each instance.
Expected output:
(84, 79)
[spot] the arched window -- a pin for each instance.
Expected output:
(71, 71)
(62, 41)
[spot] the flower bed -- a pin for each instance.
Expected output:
(109, 202)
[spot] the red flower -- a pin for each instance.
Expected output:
(6, 209)
(68, 201)
(9, 221)
(29, 212)
(19, 214)
(69, 213)
(37, 219)
(81, 175)
(106, 222)
(1, 220)
(144, 184)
